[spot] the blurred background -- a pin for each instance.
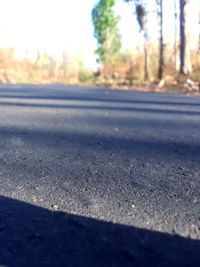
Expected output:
(101, 42)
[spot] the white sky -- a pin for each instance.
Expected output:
(57, 25)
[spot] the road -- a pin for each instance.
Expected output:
(98, 177)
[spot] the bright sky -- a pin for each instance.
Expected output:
(57, 25)
(47, 24)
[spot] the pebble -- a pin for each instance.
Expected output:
(55, 207)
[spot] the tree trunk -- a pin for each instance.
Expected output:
(199, 35)
(142, 21)
(176, 56)
(185, 61)
(146, 74)
(161, 46)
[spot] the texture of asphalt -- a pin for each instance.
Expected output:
(98, 177)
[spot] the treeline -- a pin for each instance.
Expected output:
(156, 62)
(42, 70)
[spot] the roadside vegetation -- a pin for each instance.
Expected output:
(154, 65)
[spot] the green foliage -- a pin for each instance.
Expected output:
(105, 29)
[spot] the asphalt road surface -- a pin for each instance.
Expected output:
(98, 177)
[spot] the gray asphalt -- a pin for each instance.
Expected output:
(98, 177)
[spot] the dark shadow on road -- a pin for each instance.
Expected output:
(93, 99)
(34, 236)
(95, 95)
(103, 108)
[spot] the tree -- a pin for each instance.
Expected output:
(161, 45)
(176, 59)
(185, 61)
(141, 16)
(105, 30)
(198, 51)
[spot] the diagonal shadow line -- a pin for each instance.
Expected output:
(103, 108)
(34, 236)
(78, 93)
(99, 99)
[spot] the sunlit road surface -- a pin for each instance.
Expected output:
(98, 177)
